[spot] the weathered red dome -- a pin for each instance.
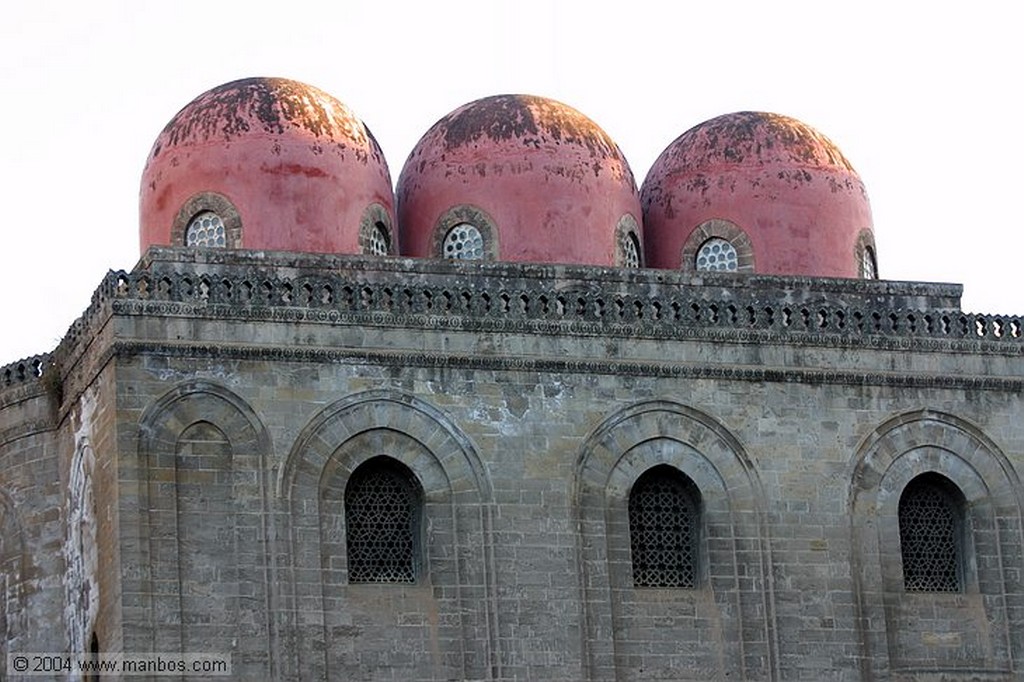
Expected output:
(760, 193)
(267, 163)
(519, 178)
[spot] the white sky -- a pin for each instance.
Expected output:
(922, 99)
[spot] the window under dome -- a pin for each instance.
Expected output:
(380, 240)
(630, 250)
(463, 242)
(868, 269)
(717, 254)
(206, 229)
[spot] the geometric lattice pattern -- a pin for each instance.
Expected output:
(380, 242)
(463, 242)
(867, 264)
(717, 254)
(930, 540)
(663, 521)
(381, 523)
(206, 229)
(630, 251)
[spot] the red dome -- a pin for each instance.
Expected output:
(771, 189)
(270, 164)
(527, 178)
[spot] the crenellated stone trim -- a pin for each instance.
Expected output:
(522, 306)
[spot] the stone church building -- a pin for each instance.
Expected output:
(514, 419)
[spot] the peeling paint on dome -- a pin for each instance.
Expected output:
(270, 106)
(756, 137)
(293, 166)
(783, 184)
(554, 182)
(532, 120)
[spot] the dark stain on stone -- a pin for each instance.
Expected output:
(272, 106)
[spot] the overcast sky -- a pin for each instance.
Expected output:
(923, 102)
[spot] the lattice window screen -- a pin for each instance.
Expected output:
(381, 523)
(664, 509)
(930, 537)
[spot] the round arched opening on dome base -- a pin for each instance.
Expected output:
(865, 256)
(734, 252)
(207, 220)
(628, 249)
(465, 233)
(376, 236)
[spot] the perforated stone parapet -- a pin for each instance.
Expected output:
(23, 371)
(645, 302)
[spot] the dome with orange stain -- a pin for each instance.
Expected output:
(267, 163)
(757, 192)
(519, 178)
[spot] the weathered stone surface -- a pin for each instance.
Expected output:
(217, 403)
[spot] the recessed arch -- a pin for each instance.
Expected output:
(613, 457)
(721, 230)
(976, 619)
(629, 248)
(208, 203)
(13, 570)
(203, 455)
(865, 255)
(471, 222)
(376, 232)
(336, 444)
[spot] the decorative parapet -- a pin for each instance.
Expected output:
(529, 298)
(23, 371)
(399, 292)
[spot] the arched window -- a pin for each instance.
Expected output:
(465, 232)
(206, 229)
(931, 534)
(717, 254)
(868, 269)
(383, 512)
(463, 242)
(627, 238)
(380, 239)
(207, 220)
(664, 529)
(375, 235)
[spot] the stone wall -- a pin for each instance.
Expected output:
(234, 395)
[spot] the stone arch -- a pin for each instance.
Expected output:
(215, 203)
(13, 616)
(471, 215)
(718, 228)
(204, 461)
(458, 573)
(928, 631)
(737, 618)
(81, 553)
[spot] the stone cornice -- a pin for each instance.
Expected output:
(845, 313)
(565, 366)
